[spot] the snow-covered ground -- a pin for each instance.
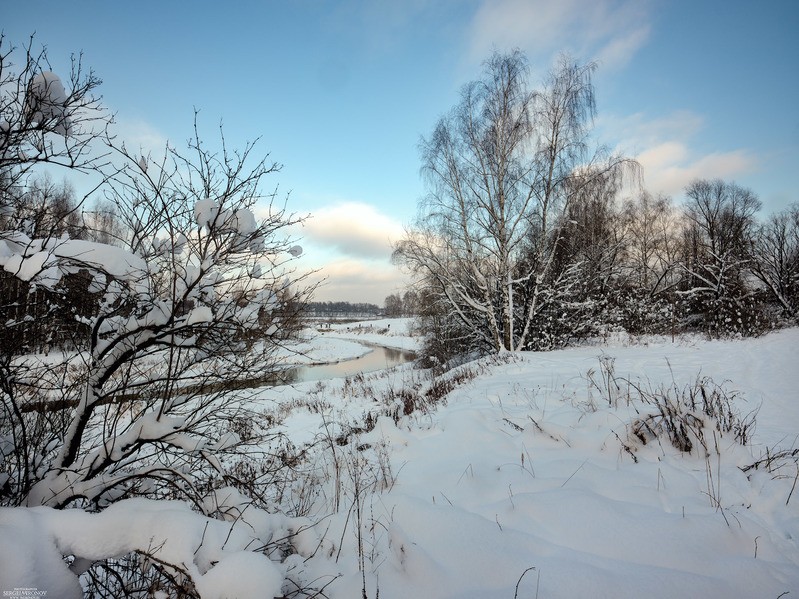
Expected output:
(523, 469)
(395, 333)
(523, 481)
(333, 342)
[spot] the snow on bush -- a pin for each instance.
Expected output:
(199, 314)
(47, 100)
(244, 222)
(137, 395)
(46, 261)
(219, 556)
(205, 212)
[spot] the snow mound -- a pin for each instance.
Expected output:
(214, 553)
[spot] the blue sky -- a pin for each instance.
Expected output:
(341, 92)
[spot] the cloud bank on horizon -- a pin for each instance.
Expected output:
(350, 245)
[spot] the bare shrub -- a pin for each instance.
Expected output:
(780, 463)
(685, 415)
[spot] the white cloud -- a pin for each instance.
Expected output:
(639, 131)
(670, 167)
(140, 137)
(358, 281)
(620, 50)
(353, 229)
(349, 245)
(664, 148)
(605, 30)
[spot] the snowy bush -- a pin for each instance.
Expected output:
(167, 324)
(45, 117)
(46, 100)
(148, 547)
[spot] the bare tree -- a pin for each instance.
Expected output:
(43, 209)
(43, 119)
(410, 302)
(501, 168)
(393, 305)
(167, 313)
(653, 245)
(594, 235)
(720, 221)
(775, 258)
(179, 287)
(168, 346)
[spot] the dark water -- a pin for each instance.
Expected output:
(377, 359)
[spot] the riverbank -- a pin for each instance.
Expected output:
(327, 342)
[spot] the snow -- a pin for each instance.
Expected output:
(522, 468)
(213, 552)
(26, 267)
(205, 212)
(199, 315)
(331, 343)
(517, 478)
(242, 574)
(32, 560)
(47, 100)
(45, 261)
(319, 349)
(395, 333)
(245, 221)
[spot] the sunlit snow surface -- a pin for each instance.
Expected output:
(477, 502)
(520, 469)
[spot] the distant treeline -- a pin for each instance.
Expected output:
(342, 309)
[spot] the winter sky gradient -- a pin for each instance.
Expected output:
(340, 93)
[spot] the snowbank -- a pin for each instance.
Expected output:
(333, 342)
(522, 479)
(319, 349)
(395, 333)
(216, 554)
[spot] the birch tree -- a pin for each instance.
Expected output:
(501, 168)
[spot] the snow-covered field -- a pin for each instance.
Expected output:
(333, 342)
(396, 333)
(523, 470)
(523, 481)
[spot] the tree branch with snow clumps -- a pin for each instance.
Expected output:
(44, 119)
(189, 304)
(175, 323)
